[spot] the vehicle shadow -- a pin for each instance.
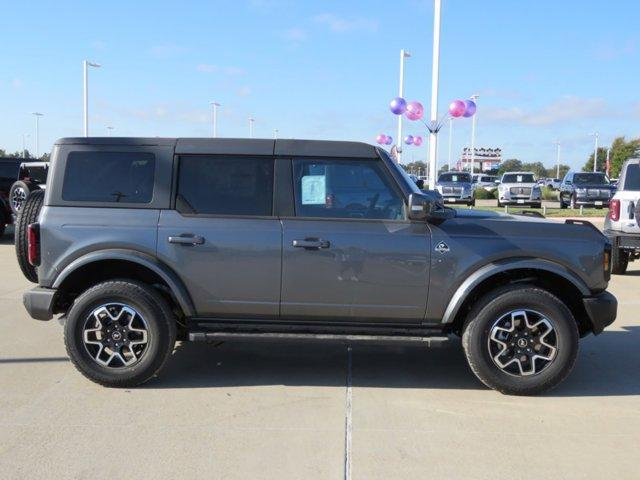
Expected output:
(606, 366)
(7, 238)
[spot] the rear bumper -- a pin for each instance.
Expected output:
(626, 241)
(601, 310)
(39, 302)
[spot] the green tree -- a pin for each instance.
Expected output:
(551, 172)
(536, 167)
(602, 158)
(621, 151)
(443, 169)
(510, 165)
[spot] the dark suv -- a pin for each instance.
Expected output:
(590, 189)
(142, 241)
(9, 172)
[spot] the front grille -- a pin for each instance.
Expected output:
(598, 192)
(524, 191)
(451, 190)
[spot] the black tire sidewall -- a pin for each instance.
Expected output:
(478, 331)
(157, 315)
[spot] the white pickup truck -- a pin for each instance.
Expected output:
(622, 225)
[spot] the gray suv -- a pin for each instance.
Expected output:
(139, 242)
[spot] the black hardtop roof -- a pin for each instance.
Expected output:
(238, 146)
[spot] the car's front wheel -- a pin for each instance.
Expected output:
(619, 261)
(120, 333)
(520, 340)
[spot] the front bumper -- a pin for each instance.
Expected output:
(601, 310)
(457, 199)
(593, 201)
(39, 302)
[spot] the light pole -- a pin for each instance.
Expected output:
(450, 142)
(403, 54)
(275, 133)
(435, 77)
(38, 115)
(215, 106)
(558, 159)
(109, 129)
(85, 70)
(24, 144)
(473, 137)
(251, 120)
(595, 151)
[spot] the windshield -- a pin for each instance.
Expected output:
(455, 178)
(590, 179)
(518, 178)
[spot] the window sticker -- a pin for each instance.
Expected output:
(314, 190)
(519, 180)
(454, 178)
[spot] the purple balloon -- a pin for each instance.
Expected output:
(409, 139)
(469, 108)
(415, 110)
(457, 108)
(388, 141)
(381, 139)
(398, 106)
(417, 141)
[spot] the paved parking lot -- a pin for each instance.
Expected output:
(267, 411)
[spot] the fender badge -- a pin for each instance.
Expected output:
(442, 248)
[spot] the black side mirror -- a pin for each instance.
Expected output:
(420, 206)
(420, 184)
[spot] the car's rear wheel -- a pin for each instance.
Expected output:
(619, 261)
(28, 215)
(520, 340)
(120, 333)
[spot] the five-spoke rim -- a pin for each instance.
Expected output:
(522, 342)
(18, 198)
(115, 335)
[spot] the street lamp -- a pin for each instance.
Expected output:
(595, 150)
(435, 77)
(24, 144)
(251, 120)
(450, 142)
(474, 98)
(403, 54)
(109, 130)
(557, 158)
(85, 68)
(215, 106)
(275, 133)
(38, 115)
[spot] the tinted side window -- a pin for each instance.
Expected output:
(632, 177)
(218, 185)
(125, 177)
(345, 189)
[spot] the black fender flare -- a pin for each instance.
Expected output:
(145, 260)
(491, 269)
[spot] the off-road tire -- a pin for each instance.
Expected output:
(26, 187)
(619, 261)
(28, 215)
(495, 304)
(161, 324)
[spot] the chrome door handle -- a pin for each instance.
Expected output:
(186, 239)
(313, 244)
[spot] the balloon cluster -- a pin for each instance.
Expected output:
(462, 108)
(383, 139)
(413, 140)
(412, 110)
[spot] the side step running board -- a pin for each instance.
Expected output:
(213, 337)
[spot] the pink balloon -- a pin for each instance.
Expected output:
(409, 139)
(381, 139)
(388, 141)
(415, 111)
(457, 108)
(417, 141)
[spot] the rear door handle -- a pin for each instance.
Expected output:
(312, 244)
(187, 239)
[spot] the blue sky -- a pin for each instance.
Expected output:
(545, 70)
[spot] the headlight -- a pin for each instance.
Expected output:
(581, 190)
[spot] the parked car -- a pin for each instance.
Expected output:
(32, 176)
(519, 188)
(9, 172)
(142, 241)
(488, 182)
(553, 183)
(456, 187)
(622, 224)
(590, 189)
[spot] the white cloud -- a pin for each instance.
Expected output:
(340, 24)
(208, 68)
(568, 107)
(244, 91)
(295, 34)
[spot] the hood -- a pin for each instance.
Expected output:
(523, 185)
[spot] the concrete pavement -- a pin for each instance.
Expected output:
(278, 411)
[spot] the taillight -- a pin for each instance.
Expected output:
(33, 244)
(614, 210)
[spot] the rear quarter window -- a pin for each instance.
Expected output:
(632, 177)
(110, 177)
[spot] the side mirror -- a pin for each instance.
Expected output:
(568, 182)
(420, 184)
(420, 206)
